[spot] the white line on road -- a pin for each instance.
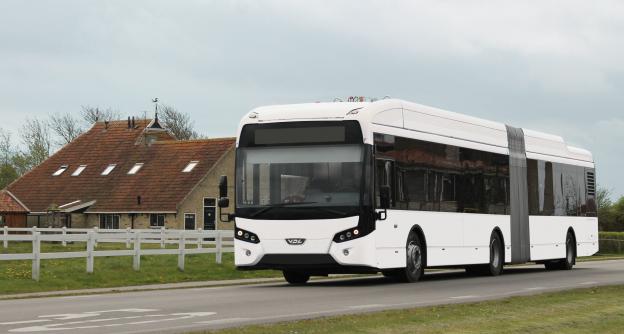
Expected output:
(359, 307)
(463, 297)
(588, 283)
(535, 288)
(23, 322)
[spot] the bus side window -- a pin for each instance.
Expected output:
(385, 177)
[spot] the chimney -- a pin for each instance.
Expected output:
(129, 125)
(133, 125)
(106, 125)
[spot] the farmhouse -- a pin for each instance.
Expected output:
(129, 174)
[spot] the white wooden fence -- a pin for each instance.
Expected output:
(133, 239)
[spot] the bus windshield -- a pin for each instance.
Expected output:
(309, 176)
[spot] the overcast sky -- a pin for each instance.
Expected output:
(554, 66)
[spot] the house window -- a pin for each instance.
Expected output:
(1, 220)
(189, 168)
(109, 169)
(157, 220)
(135, 169)
(79, 170)
(61, 170)
(109, 221)
(189, 221)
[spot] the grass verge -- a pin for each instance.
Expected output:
(595, 310)
(70, 274)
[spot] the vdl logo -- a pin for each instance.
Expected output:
(295, 242)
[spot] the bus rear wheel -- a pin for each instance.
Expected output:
(415, 264)
(296, 278)
(569, 261)
(497, 259)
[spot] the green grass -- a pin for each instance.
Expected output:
(70, 274)
(596, 310)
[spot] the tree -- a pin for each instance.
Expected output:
(66, 127)
(603, 198)
(94, 114)
(6, 146)
(8, 173)
(177, 122)
(36, 137)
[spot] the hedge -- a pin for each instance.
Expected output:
(611, 242)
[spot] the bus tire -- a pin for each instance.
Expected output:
(568, 262)
(497, 255)
(415, 264)
(296, 278)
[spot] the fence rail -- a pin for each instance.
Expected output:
(133, 239)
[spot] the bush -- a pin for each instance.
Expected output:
(611, 242)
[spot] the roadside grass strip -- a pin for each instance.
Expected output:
(592, 310)
(69, 274)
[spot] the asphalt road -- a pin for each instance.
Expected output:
(179, 311)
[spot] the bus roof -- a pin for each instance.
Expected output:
(416, 117)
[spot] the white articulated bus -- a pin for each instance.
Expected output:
(396, 187)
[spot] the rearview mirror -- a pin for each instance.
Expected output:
(223, 186)
(384, 197)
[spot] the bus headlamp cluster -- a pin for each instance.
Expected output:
(247, 236)
(346, 235)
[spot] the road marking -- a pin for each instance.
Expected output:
(588, 283)
(463, 297)
(359, 307)
(535, 288)
(223, 321)
(23, 322)
(97, 323)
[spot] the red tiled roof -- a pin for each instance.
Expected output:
(160, 183)
(8, 204)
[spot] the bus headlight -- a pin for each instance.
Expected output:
(350, 234)
(246, 236)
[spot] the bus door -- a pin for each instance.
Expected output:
(385, 175)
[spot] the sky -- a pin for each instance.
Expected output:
(551, 66)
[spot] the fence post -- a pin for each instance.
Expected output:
(136, 263)
(127, 237)
(200, 239)
(95, 229)
(181, 251)
(36, 262)
(90, 245)
(6, 237)
(162, 237)
(64, 233)
(219, 246)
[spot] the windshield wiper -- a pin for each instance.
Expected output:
(281, 205)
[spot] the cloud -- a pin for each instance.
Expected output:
(539, 64)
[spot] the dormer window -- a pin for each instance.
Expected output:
(61, 170)
(79, 170)
(109, 169)
(189, 168)
(136, 168)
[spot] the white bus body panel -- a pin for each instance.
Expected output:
(452, 238)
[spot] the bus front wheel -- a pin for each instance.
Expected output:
(294, 277)
(415, 264)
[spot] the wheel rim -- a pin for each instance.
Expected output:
(494, 253)
(414, 257)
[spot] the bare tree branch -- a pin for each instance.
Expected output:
(95, 114)
(6, 146)
(177, 122)
(66, 126)
(36, 137)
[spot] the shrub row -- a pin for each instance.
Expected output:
(611, 242)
